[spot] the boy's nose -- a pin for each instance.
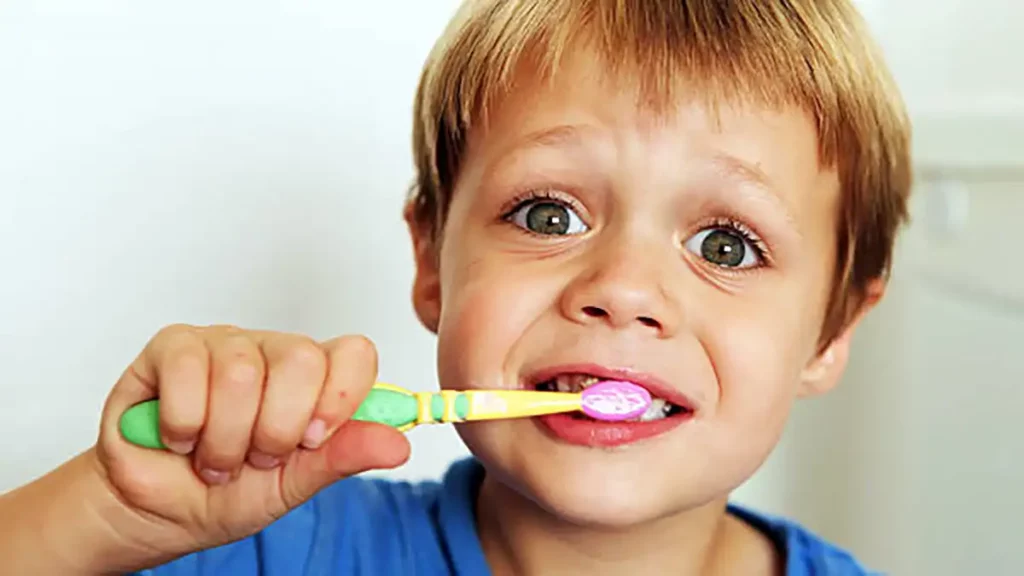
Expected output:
(623, 288)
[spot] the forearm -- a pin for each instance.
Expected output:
(59, 524)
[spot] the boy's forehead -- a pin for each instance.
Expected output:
(583, 104)
(541, 105)
(584, 98)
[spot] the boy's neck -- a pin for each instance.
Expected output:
(520, 538)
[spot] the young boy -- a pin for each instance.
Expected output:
(699, 196)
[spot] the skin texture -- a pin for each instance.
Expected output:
(627, 288)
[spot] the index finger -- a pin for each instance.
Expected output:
(173, 366)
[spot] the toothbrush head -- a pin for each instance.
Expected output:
(614, 401)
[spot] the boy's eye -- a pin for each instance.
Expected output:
(724, 247)
(548, 218)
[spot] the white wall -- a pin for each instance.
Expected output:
(962, 426)
(954, 57)
(203, 162)
(245, 162)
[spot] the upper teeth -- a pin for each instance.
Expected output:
(574, 382)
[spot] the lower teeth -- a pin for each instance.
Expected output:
(657, 410)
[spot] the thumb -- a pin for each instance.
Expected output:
(354, 448)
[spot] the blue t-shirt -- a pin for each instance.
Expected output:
(361, 526)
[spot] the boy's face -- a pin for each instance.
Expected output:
(684, 250)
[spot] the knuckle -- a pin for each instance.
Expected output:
(304, 354)
(238, 362)
(239, 343)
(179, 339)
(241, 372)
(174, 330)
(357, 346)
(184, 355)
(223, 329)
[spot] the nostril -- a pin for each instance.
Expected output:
(594, 312)
(648, 321)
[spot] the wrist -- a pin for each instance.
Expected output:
(65, 523)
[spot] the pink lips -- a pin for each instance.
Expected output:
(615, 400)
(572, 429)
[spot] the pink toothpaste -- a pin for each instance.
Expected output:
(614, 401)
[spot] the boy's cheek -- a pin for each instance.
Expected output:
(485, 320)
(756, 355)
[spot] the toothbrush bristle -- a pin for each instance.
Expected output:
(615, 400)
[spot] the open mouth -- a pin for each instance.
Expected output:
(659, 409)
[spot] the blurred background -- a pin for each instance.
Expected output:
(245, 162)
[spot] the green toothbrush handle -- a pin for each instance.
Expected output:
(140, 424)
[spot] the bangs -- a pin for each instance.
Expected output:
(771, 54)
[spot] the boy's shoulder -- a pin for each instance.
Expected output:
(363, 526)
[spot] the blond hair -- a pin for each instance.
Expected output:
(813, 54)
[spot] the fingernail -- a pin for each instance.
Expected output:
(264, 461)
(315, 433)
(214, 476)
(179, 447)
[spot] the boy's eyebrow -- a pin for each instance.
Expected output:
(742, 171)
(554, 136)
(563, 135)
(726, 164)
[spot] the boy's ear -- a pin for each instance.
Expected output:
(426, 285)
(824, 371)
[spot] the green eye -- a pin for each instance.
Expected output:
(548, 218)
(724, 247)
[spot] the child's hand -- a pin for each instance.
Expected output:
(258, 423)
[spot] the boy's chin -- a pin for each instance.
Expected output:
(602, 510)
(608, 497)
(590, 487)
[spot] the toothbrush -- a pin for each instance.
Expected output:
(609, 401)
